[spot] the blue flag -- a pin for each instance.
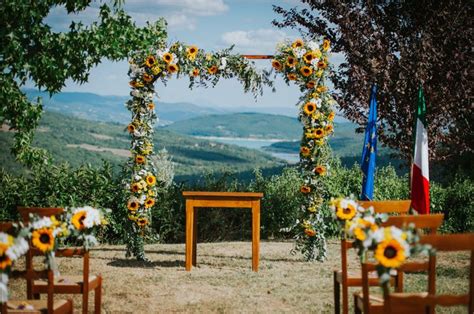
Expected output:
(370, 149)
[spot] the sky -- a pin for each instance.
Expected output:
(209, 24)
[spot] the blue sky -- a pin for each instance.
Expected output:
(211, 25)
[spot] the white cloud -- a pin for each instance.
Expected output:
(180, 14)
(255, 41)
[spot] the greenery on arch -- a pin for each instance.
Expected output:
(163, 63)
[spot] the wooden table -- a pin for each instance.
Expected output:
(220, 199)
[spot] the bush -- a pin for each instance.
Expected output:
(64, 186)
(456, 203)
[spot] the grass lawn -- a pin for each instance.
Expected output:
(224, 283)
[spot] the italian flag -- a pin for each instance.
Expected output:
(420, 182)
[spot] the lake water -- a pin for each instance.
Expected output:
(259, 144)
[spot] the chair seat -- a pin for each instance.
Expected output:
(354, 278)
(38, 306)
(376, 302)
(66, 284)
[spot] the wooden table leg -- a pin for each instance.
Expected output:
(189, 234)
(195, 213)
(255, 234)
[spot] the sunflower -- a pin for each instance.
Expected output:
(305, 189)
(151, 106)
(308, 57)
(150, 61)
(155, 70)
(310, 232)
(291, 61)
(5, 261)
(317, 53)
(292, 76)
(212, 70)
(306, 71)
(195, 72)
(359, 234)
(310, 84)
(131, 128)
(346, 213)
(329, 129)
(168, 57)
(133, 205)
(322, 64)
(150, 180)
(390, 253)
(309, 108)
(331, 116)
(321, 170)
(297, 43)
(142, 221)
(321, 89)
(78, 219)
(139, 159)
(319, 142)
(305, 151)
(43, 239)
(133, 83)
(147, 77)
(192, 52)
(318, 133)
(149, 202)
(277, 65)
(172, 68)
(135, 187)
(326, 45)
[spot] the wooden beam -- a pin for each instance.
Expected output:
(258, 56)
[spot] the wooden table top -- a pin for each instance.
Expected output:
(221, 194)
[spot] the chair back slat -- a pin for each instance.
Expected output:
(388, 207)
(450, 242)
(430, 222)
(40, 211)
(7, 227)
(398, 303)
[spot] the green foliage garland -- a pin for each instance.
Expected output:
(145, 68)
(306, 64)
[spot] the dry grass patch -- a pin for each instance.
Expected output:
(223, 281)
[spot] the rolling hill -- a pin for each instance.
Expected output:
(79, 141)
(243, 125)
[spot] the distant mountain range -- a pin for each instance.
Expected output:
(112, 108)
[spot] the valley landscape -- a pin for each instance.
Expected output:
(87, 128)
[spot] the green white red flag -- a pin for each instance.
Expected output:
(420, 182)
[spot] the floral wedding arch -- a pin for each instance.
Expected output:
(306, 64)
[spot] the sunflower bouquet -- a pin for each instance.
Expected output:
(391, 247)
(11, 248)
(306, 64)
(83, 222)
(45, 233)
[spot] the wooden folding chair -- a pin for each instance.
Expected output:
(50, 305)
(418, 302)
(64, 284)
(367, 303)
(342, 278)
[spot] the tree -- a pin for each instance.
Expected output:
(31, 50)
(400, 45)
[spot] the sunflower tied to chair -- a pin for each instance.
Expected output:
(83, 222)
(11, 248)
